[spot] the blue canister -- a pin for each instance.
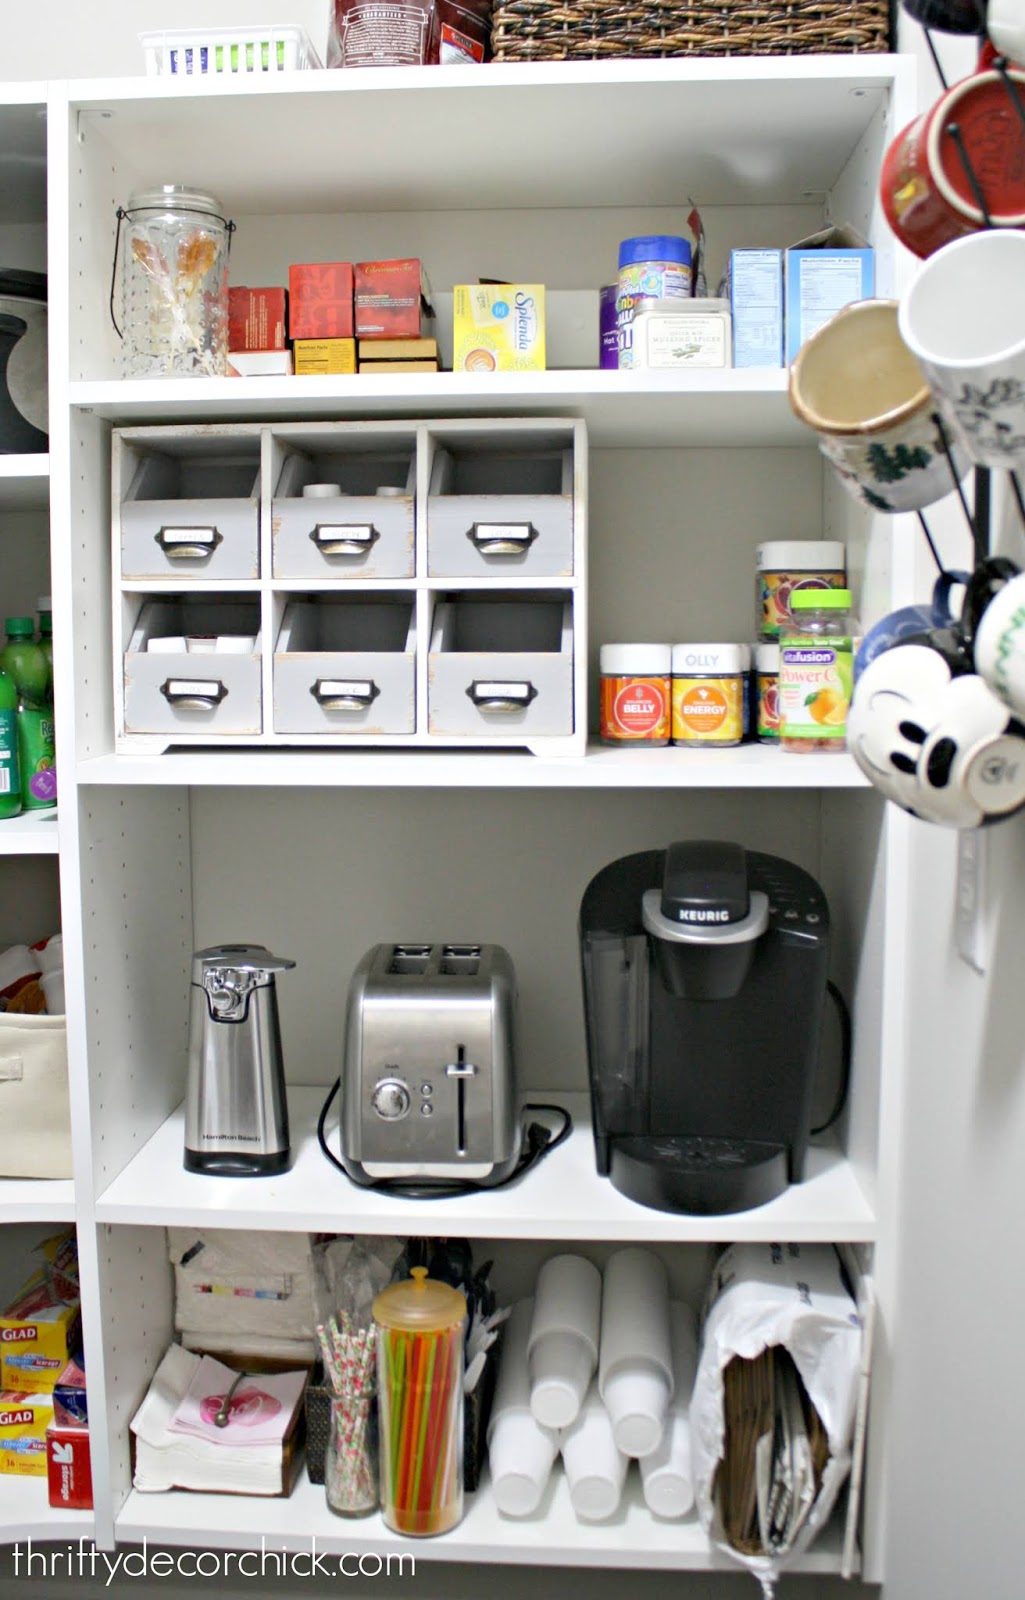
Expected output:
(652, 266)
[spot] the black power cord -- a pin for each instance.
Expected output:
(844, 1017)
(538, 1141)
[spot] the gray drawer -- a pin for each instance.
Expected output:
(500, 513)
(183, 691)
(501, 666)
(346, 666)
(359, 534)
(191, 516)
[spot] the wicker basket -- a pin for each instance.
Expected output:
(561, 30)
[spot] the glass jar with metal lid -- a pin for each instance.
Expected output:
(174, 283)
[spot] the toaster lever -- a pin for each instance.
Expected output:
(461, 1070)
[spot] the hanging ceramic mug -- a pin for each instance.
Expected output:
(926, 192)
(964, 319)
(994, 622)
(1005, 24)
(948, 16)
(909, 621)
(859, 386)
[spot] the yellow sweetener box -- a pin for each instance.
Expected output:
(24, 1419)
(498, 327)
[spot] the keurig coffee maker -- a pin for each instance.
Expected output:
(705, 969)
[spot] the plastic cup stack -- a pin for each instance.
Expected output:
(521, 1452)
(594, 1465)
(636, 1364)
(666, 1473)
(562, 1352)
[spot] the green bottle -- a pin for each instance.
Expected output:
(44, 609)
(10, 781)
(23, 660)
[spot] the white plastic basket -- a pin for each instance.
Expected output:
(227, 52)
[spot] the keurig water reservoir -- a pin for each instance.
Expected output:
(705, 970)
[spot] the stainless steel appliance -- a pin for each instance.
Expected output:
(429, 1091)
(236, 1111)
(705, 972)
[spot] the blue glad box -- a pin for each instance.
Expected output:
(819, 283)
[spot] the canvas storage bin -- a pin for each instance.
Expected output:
(35, 1111)
(243, 1294)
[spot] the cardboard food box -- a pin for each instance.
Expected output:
(824, 273)
(70, 1407)
(24, 1419)
(256, 319)
(320, 300)
(498, 327)
(38, 1334)
(332, 356)
(260, 363)
(399, 366)
(755, 281)
(398, 350)
(392, 299)
(69, 1467)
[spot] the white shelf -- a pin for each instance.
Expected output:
(24, 482)
(689, 126)
(34, 833)
(633, 1538)
(751, 766)
(562, 1198)
(639, 409)
(36, 1200)
(25, 1513)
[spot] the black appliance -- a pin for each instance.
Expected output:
(705, 972)
(23, 390)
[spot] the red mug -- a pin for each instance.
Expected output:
(925, 191)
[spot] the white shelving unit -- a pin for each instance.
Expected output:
(34, 833)
(323, 852)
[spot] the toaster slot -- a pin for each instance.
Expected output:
(461, 1070)
(460, 960)
(409, 960)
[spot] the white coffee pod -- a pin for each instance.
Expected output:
(323, 491)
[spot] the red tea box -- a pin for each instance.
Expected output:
(320, 301)
(69, 1467)
(256, 319)
(392, 299)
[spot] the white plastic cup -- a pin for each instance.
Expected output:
(637, 1400)
(521, 1455)
(167, 645)
(389, 491)
(635, 1371)
(562, 1351)
(323, 491)
(666, 1474)
(52, 985)
(201, 644)
(595, 1468)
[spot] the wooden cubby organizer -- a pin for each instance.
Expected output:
(322, 851)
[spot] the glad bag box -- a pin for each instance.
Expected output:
(41, 1327)
(24, 1419)
(69, 1467)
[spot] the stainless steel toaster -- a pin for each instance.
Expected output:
(429, 1090)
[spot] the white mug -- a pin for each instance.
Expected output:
(999, 644)
(964, 318)
(1005, 24)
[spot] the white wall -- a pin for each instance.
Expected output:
(99, 38)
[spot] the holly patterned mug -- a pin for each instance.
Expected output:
(858, 385)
